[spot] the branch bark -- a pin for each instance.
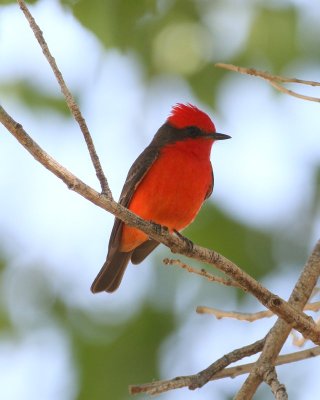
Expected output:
(280, 331)
(157, 387)
(274, 80)
(279, 391)
(248, 317)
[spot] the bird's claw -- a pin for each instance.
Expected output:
(188, 242)
(160, 229)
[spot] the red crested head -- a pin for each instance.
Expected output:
(185, 115)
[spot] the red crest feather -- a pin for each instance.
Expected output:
(184, 115)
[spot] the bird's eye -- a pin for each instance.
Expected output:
(193, 131)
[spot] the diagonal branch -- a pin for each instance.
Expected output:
(157, 387)
(201, 378)
(73, 107)
(207, 374)
(178, 244)
(281, 330)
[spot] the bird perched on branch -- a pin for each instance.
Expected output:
(167, 184)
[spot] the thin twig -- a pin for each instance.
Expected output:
(157, 387)
(273, 80)
(204, 376)
(178, 244)
(292, 93)
(265, 75)
(249, 317)
(202, 272)
(73, 107)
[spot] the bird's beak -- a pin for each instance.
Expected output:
(218, 136)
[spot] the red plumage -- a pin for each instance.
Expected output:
(167, 184)
(184, 115)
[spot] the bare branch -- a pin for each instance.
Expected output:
(265, 75)
(249, 317)
(204, 376)
(274, 80)
(202, 272)
(73, 107)
(281, 330)
(157, 387)
(292, 93)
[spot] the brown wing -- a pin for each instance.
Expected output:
(136, 173)
(165, 134)
(209, 192)
(111, 273)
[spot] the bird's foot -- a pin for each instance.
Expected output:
(188, 242)
(160, 229)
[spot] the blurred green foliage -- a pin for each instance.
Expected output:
(272, 39)
(245, 245)
(34, 97)
(132, 357)
(152, 29)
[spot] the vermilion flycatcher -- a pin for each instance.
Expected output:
(167, 184)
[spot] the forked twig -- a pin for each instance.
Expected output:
(157, 387)
(274, 80)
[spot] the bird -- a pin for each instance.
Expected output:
(167, 184)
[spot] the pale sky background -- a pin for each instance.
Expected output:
(262, 176)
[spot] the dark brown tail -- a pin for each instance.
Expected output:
(142, 251)
(111, 273)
